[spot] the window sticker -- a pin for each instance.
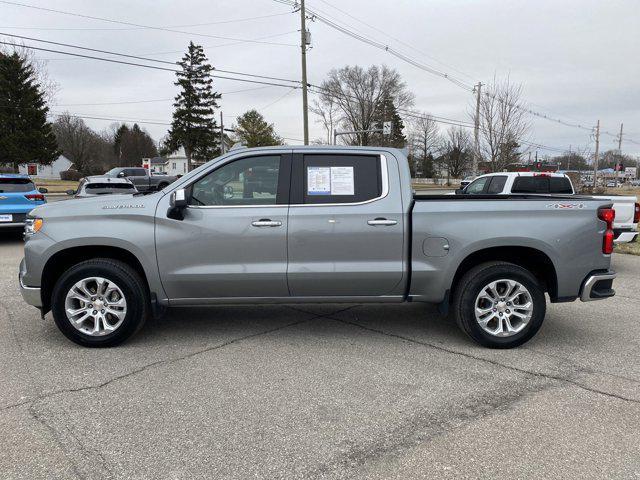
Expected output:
(342, 181)
(318, 181)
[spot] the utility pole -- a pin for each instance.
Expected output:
(476, 131)
(620, 140)
(221, 134)
(303, 48)
(569, 159)
(595, 156)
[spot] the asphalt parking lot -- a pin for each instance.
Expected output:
(333, 391)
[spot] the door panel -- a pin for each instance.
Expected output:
(333, 248)
(219, 253)
(232, 241)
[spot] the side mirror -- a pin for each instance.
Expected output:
(71, 192)
(459, 191)
(178, 199)
(177, 204)
(121, 175)
(43, 190)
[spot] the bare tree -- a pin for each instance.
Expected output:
(358, 93)
(503, 123)
(78, 142)
(423, 142)
(457, 153)
(328, 113)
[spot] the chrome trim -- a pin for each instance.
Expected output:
(31, 295)
(384, 169)
(14, 225)
(587, 286)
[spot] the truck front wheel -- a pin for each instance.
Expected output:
(499, 304)
(99, 302)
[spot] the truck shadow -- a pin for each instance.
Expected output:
(304, 322)
(11, 236)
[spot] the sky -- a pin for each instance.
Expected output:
(576, 59)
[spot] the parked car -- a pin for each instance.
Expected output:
(612, 184)
(466, 181)
(627, 208)
(18, 196)
(141, 179)
(342, 226)
(98, 185)
(635, 183)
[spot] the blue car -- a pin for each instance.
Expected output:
(18, 196)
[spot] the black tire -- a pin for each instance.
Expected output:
(129, 282)
(162, 186)
(468, 289)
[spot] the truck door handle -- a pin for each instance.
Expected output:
(381, 221)
(265, 222)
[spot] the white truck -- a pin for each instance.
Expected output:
(627, 208)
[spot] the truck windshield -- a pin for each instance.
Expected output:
(16, 185)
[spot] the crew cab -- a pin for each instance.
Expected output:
(141, 178)
(18, 196)
(337, 224)
(627, 208)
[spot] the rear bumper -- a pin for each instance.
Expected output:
(625, 236)
(31, 295)
(597, 286)
(18, 220)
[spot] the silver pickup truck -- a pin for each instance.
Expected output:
(335, 224)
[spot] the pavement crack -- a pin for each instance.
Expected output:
(56, 438)
(151, 365)
(493, 362)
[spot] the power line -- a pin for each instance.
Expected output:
(406, 44)
(148, 27)
(148, 66)
(239, 20)
(401, 56)
(127, 102)
(137, 57)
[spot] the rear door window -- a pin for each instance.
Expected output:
(531, 185)
(497, 184)
(336, 178)
(560, 185)
(8, 185)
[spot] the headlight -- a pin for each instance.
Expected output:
(32, 226)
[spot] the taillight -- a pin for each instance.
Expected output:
(607, 215)
(36, 197)
(636, 214)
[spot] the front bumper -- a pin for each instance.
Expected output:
(597, 286)
(31, 295)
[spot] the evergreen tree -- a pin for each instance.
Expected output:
(25, 134)
(194, 126)
(386, 111)
(254, 131)
(133, 144)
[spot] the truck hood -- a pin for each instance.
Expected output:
(98, 206)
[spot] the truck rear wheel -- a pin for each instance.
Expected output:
(99, 302)
(499, 304)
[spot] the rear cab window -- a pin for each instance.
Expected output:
(336, 178)
(16, 185)
(497, 184)
(560, 185)
(530, 185)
